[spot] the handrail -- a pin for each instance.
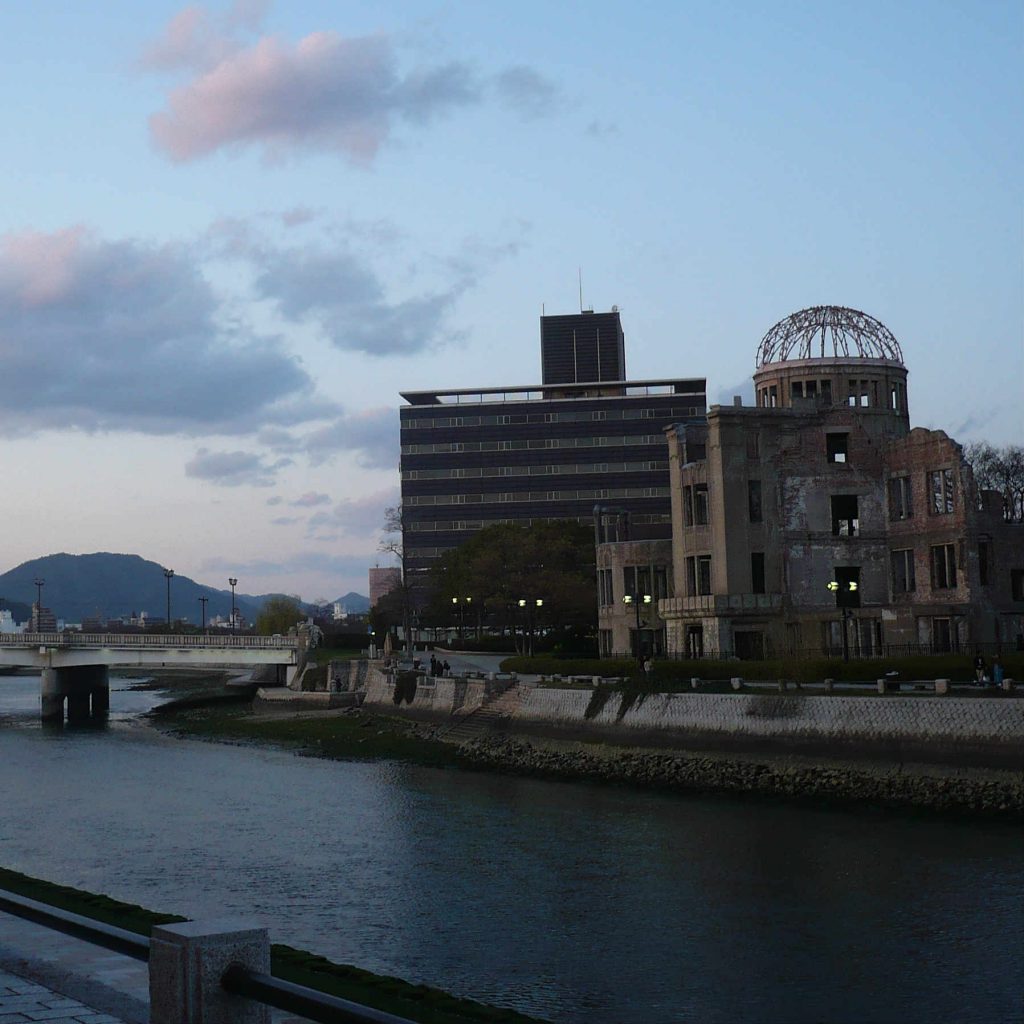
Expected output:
(263, 988)
(144, 640)
(307, 1002)
(106, 935)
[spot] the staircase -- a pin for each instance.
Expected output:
(488, 717)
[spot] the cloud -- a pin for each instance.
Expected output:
(371, 434)
(300, 562)
(127, 335)
(285, 520)
(323, 92)
(346, 300)
(363, 516)
(276, 500)
(526, 91)
(311, 499)
(233, 469)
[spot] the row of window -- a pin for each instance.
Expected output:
(537, 442)
(464, 472)
(939, 487)
(862, 394)
(501, 497)
(666, 414)
(637, 580)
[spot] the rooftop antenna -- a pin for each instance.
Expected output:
(579, 270)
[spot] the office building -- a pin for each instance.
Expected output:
(475, 457)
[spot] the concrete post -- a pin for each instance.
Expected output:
(51, 696)
(942, 686)
(736, 683)
(186, 963)
(829, 685)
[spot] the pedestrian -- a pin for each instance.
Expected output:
(997, 671)
(446, 669)
(648, 667)
(979, 669)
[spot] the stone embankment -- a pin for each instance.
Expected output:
(995, 795)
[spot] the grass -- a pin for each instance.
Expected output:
(354, 736)
(420, 1003)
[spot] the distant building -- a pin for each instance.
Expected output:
(7, 623)
(819, 521)
(584, 437)
(43, 620)
(383, 581)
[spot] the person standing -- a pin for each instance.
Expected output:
(979, 669)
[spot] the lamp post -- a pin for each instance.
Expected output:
(844, 599)
(234, 620)
(636, 600)
(168, 575)
(528, 607)
(461, 603)
(202, 602)
(39, 600)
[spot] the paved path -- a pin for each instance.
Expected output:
(24, 1001)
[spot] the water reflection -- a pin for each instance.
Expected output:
(571, 901)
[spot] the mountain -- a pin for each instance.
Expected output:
(20, 611)
(107, 586)
(355, 604)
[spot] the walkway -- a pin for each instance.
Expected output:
(24, 1001)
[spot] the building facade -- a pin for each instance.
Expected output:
(819, 521)
(474, 458)
(383, 581)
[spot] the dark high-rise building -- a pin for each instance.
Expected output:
(582, 348)
(475, 457)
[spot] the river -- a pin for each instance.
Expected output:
(570, 901)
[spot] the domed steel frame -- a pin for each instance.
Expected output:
(824, 332)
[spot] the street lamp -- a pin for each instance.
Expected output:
(537, 602)
(203, 601)
(636, 600)
(39, 600)
(234, 619)
(461, 603)
(844, 600)
(168, 575)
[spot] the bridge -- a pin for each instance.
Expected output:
(75, 666)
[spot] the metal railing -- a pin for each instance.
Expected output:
(238, 980)
(155, 640)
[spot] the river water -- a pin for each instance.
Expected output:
(570, 901)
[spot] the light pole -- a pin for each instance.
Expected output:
(234, 620)
(529, 607)
(202, 602)
(461, 603)
(39, 600)
(168, 575)
(844, 599)
(636, 600)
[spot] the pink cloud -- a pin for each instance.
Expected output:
(38, 268)
(324, 91)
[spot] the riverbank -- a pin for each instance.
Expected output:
(992, 794)
(420, 1003)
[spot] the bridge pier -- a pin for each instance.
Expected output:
(85, 687)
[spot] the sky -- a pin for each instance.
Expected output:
(230, 234)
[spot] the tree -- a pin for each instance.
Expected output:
(393, 543)
(508, 563)
(1002, 470)
(278, 615)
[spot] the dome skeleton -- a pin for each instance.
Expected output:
(809, 333)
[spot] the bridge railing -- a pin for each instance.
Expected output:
(157, 640)
(175, 980)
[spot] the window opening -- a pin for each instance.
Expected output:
(754, 500)
(757, 572)
(836, 447)
(899, 498)
(845, 521)
(943, 567)
(902, 563)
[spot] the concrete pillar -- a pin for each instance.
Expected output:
(51, 696)
(78, 706)
(99, 691)
(186, 963)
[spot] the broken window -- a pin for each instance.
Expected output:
(940, 483)
(700, 504)
(899, 498)
(845, 521)
(773, 396)
(754, 500)
(753, 444)
(836, 447)
(811, 389)
(698, 575)
(629, 580)
(847, 586)
(984, 561)
(1017, 584)
(687, 506)
(826, 392)
(757, 572)
(660, 582)
(943, 567)
(902, 561)
(796, 389)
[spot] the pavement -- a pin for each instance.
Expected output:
(53, 978)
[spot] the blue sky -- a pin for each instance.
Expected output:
(230, 234)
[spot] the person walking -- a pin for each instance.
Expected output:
(979, 669)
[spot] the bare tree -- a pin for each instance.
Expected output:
(1002, 470)
(393, 543)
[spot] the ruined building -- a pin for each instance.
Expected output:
(819, 521)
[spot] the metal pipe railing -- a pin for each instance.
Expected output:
(237, 979)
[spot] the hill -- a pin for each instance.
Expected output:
(356, 604)
(107, 586)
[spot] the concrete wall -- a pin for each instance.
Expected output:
(442, 697)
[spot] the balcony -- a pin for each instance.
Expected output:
(719, 604)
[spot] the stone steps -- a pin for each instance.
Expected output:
(484, 718)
